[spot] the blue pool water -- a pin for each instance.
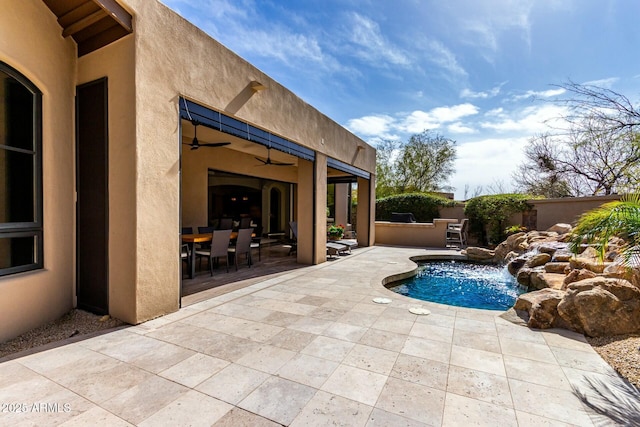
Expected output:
(462, 284)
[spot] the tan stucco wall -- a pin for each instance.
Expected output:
(116, 62)
(31, 42)
(423, 234)
(566, 210)
(365, 227)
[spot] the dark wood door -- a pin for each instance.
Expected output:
(92, 207)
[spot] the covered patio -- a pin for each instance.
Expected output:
(235, 175)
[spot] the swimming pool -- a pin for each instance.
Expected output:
(461, 284)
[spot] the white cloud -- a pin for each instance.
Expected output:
(531, 120)
(484, 23)
(540, 94)
(605, 83)
(417, 121)
(458, 127)
(372, 126)
(440, 55)
(496, 112)
(485, 162)
(366, 34)
(468, 93)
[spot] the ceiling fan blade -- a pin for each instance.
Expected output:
(282, 164)
(214, 144)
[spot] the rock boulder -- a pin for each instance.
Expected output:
(577, 275)
(560, 228)
(538, 260)
(539, 308)
(479, 254)
(601, 306)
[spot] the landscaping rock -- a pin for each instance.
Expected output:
(515, 265)
(588, 263)
(511, 256)
(524, 276)
(619, 271)
(560, 228)
(562, 256)
(513, 243)
(577, 275)
(601, 306)
(556, 267)
(539, 279)
(479, 254)
(540, 308)
(538, 260)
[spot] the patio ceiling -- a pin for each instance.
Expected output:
(92, 23)
(206, 134)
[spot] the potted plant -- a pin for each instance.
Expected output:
(335, 232)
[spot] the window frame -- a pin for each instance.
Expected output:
(31, 228)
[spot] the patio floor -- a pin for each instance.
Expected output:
(309, 347)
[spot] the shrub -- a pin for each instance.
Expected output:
(425, 207)
(490, 213)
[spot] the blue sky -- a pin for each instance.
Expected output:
(481, 72)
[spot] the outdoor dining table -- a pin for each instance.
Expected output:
(192, 239)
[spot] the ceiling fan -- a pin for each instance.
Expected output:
(195, 144)
(268, 161)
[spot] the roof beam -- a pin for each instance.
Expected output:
(83, 23)
(117, 12)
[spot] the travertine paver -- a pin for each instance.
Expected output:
(310, 347)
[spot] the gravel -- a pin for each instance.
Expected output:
(75, 323)
(622, 352)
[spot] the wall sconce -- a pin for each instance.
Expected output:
(257, 86)
(233, 199)
(245, 198)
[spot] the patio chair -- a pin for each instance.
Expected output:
(294, 242)
(242, 246)
(187, 230)
(225, 224)
(255, 243)
(334, 248)
(457, 233)
(185, 255)
(219, 248)
(205, 230)
(245, 223)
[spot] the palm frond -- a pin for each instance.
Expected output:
(619, 218)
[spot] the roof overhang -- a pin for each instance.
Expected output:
(92, 23)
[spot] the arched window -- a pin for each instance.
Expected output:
(20, 173)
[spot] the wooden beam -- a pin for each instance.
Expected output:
(83, 23)
(117, 12)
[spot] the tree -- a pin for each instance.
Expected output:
(618, 218)
(598, 152)
(423, 164)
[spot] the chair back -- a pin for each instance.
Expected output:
(245, 223)
(463, 225)
(205, 230)
(220, 242)
(225, 224)
(187, 230)
(294, 229)
(243, 244)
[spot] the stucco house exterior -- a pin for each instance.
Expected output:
(98, 101)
